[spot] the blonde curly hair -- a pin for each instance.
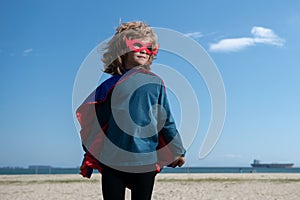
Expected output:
(116, 49)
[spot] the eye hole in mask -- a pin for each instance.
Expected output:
(137, 45)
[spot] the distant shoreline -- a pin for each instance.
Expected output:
(76, 170)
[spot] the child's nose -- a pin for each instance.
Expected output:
(143, 51)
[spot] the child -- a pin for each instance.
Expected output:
(128, 132)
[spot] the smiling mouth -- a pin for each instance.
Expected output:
(143, 57)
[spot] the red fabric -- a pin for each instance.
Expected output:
(164, 153)
(86, 117)
(90, 128)
(89, 163)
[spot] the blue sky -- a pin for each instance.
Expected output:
(253, 43)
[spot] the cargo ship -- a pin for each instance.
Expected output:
(257, 163)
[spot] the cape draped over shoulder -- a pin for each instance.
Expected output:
(93, 127)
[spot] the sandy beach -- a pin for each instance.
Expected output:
(167, 186)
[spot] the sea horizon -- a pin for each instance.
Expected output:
(44, 169)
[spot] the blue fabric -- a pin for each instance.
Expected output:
(105, 87)
(136, 108)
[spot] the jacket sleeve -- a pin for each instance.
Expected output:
(168, 130)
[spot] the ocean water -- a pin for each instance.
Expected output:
(37, 170)
(52, 170)
(230, 170)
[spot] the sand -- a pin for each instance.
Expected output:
(167, 186)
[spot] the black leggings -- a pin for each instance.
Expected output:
(114, 183)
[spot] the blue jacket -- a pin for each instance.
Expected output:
(131, 115)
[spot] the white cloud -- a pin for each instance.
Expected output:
(266, 36)
(233, 44)
(194, 35)
(260, 35)
(26, 52)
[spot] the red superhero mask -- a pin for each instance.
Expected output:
(137, 45)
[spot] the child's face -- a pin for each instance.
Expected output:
(136, 58)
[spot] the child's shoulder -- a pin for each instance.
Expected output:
(106, 86)
(142, 75)
(147, 72)
(110, 81)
